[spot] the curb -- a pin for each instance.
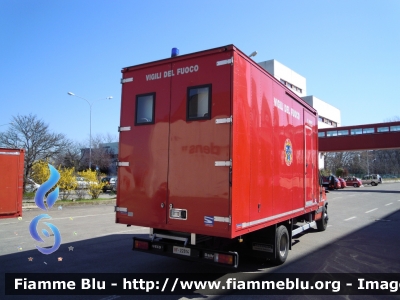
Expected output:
(31, 205)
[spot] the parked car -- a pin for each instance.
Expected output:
(354, 181)
(31, 186)
(108, 183)
(379, 177)
(114, 185)
(342, 182)
(82, 183)
(370, 179)
(331, 182)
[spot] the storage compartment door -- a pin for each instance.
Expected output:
(310, 159)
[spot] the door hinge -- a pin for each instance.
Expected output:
(125, 80)
(223, 163)
(225, 62)
(126, 128)
(121, 209)
(223, 120)
(223, 219)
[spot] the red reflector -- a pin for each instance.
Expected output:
(141, 245)
(223, 258)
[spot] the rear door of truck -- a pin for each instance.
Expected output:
(175, 129)
(199, 144)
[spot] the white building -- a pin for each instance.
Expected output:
(329, 116)
(288, 77)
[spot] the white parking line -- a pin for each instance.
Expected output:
(350, 218)
(17, 222)
(389, 204)
(367, 212)
(74, 217)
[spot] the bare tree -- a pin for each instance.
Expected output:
(71, 156)
(102, 156)
(33, 135)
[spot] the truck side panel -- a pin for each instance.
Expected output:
(269, 174)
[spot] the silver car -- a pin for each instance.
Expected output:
(370, 179)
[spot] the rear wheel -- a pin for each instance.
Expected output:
(323, 222)
(373, 183)
(355, 185)
(282, 244)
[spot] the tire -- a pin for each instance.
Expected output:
(373, 183)
(281, 244)
(355, 185)
(322, 223)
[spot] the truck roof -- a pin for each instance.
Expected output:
(229, 47)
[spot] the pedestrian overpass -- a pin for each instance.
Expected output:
(377, 136)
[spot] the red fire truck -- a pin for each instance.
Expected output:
(11, 182)
(217, 158)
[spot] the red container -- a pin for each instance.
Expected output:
(212, 144)
(11, 182)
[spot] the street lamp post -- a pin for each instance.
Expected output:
(90, 120)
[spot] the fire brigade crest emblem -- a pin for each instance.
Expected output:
(288, 152)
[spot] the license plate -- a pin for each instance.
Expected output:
(181, 251)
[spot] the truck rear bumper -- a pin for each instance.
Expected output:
(189, 252)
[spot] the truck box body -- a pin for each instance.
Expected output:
(11, 182)
(212, 144)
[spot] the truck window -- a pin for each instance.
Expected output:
(145, 109)
(199, 103)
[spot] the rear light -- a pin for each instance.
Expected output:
(223, 258)
(141, 245)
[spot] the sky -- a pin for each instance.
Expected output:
(348, 51)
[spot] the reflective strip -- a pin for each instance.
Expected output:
(243, 225)
(123, 164)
